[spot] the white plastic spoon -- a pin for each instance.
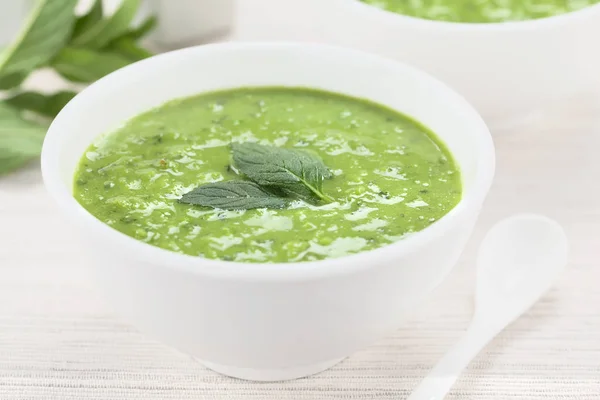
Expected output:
(518, 261)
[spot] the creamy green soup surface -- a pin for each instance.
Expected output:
(390, 175)
(481, 11)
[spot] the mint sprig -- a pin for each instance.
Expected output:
(20, 139)
(83, 65)
(276, 175)
(81, 49)
(86, 21)
(12, 80)
(42, 104)
(104, 30)
(46, 31)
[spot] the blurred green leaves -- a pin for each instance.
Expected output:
(103, 30)
(81, 49)
(20, 139)
(42, 104)
(11, 81)
(85, 22)
(46, 31)
(84, 65)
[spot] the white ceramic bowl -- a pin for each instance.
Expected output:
(269, 321)
(508, 71)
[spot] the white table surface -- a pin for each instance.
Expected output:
(58, 340)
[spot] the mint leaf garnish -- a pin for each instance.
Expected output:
(296, 173)
(233, 195)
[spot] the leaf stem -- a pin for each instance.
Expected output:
(322, 196)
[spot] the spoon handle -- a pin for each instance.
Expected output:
(441, 378)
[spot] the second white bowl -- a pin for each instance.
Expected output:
(508, 71)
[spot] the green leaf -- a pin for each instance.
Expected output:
(10, 162)
(89, 20)
(13, 80)
(126, 47)
(296, 173)
(109, 28)
(144, 28)
(19, 135)
(20, 140)
(46, 105)
(233, 195)
(82, 65)
(45, 32)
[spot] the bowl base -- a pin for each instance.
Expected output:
(270, 375)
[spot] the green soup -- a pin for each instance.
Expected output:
(481, 11)
(390, 175)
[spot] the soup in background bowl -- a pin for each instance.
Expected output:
(511, 65)
(265, 320)
(481, 11)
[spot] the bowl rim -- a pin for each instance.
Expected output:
(525, 25)
(296, 271)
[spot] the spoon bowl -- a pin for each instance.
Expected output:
(518, 261)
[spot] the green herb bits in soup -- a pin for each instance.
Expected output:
(268, 175)
(481, 11)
